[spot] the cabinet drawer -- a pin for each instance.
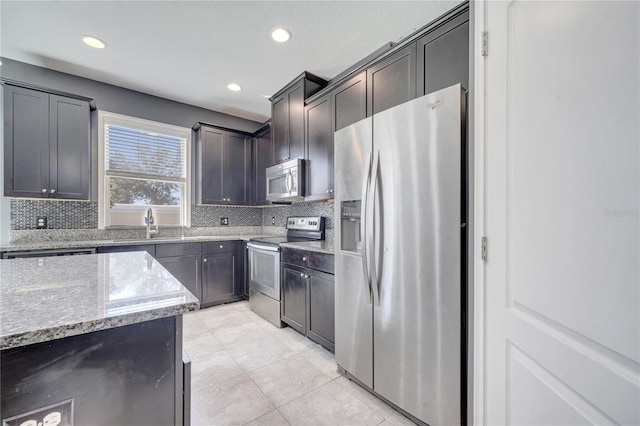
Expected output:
(178, 249)
(218, 246)
(149, 248)
(309, 259)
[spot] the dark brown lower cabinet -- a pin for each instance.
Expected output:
(307, 301)
(187, 269)
(221, 274)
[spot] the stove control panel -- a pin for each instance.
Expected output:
(307, 223)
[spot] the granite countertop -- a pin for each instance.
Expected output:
(51, 245)
(322, 246)
(49, 298)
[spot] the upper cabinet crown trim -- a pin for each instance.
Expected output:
(16, 83)
(304, 76)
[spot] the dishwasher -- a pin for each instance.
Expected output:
(47, 253)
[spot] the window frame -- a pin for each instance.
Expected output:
(110, 118)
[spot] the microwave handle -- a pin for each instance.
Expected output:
(289, 181)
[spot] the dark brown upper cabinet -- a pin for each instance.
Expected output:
(287, 116)
(46, 145)
(262, 157)
(443, 56)
(350, 101)
(222, 166)
(392, 81)
(319, 149)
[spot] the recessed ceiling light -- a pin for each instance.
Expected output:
(234, 87)
(281, 35)
(94, 42)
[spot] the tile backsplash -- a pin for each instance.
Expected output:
(70, 215)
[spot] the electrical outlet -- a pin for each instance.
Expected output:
(41, 222)
(224, 221)
(273, 220)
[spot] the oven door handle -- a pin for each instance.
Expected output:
(261, 247)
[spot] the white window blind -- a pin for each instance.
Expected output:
(141, 154)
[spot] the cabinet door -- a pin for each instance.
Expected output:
(187, 270)
(293, 299)
(218, 277)
(296, 122)
(69, 148)
(443, 56)
(319, 156)
(263, 150)
(350, 101)
(236, 169)
(211, 163)
(26, 142)
(321, 319)
(280, 123)
(392, 81)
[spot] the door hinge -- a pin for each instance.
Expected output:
(483, 248)
(485, 43)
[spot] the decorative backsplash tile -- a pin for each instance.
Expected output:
(280, 213)
(78, 220)
(59, 214)
(206, 216)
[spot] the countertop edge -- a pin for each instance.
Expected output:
(67, 330)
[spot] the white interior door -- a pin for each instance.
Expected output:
(562, 307)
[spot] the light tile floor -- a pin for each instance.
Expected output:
(246, 371)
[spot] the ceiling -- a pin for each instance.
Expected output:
(189, 51)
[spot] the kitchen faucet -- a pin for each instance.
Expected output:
(149, 221)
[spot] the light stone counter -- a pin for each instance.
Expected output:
(48, 298)
(322, 246)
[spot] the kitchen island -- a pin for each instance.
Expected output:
(92, 339)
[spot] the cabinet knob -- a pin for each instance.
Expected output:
(44, 190)
(204, 260)
(305, 258)
(306, 275)
(301, 275)
(221, 246)
(331, 191)
(53, 191)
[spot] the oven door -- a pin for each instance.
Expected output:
(264, 269)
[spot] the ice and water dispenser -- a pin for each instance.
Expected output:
(350, 237)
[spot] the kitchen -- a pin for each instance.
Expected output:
(616, 359)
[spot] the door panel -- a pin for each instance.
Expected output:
(187, 270)
(296, 122)
(212, 141)
(26, 142)
(236, 169)
(350, 101)
(218, 277)
(321, 315)
(294, 297)
(69, 148)
(262, 160)
(417, 331)
(563, 185)
(392, 81)
(354, 330)
(319, 149)
(280, 122)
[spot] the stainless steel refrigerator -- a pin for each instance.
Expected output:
(400, 255)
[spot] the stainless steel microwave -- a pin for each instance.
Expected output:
(285, 181)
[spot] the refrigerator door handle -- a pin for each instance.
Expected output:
(366, 181)
(372, 218)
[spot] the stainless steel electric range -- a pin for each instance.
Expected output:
(264, 264)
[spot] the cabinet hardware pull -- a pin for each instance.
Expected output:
(221, 246)
(44, 190)
(204, 260)
(305, 258)
(53, 191)
(301, 275)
